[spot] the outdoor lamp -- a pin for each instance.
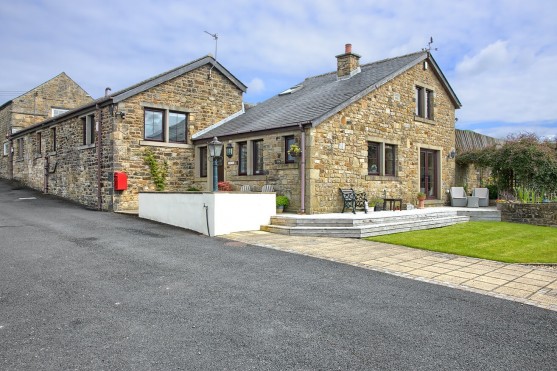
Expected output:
(229, 150)
(215, 151)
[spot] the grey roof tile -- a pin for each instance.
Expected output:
(320, 97)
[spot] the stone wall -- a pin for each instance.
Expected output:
(36, 105)
(535, 214)
(206, 100)
(72, 166)
(338, 146)
(284, 176)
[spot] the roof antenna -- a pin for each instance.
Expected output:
(429, 49)
(216, 37)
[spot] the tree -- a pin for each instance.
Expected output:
(523, 159)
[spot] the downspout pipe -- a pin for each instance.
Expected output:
(303, 171)
(99, 157)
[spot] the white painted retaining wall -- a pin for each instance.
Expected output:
(227, 212)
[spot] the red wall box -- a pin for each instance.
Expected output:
(120, 181)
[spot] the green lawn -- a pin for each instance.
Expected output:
(506, 242)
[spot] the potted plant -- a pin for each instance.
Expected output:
(294, 150)
(377, 204)
(421, 200)
(282, 202)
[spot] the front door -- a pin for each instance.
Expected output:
(428, 173)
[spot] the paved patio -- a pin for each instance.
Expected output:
(528, 284)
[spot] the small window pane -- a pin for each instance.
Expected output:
(203, 162)
(177, 127)
(242, 158)
(373, 157)
(288, 141)
(390, 159)
(258, 157)
(154, 125)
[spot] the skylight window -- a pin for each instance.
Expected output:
(292, 89)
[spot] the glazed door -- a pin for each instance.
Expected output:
(428, 173)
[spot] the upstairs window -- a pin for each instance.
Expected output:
(424, 102)
(89, 129)
(242, 158)
(165, 126)
(154, 129)
(177, 126)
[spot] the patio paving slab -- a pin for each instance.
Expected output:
(528, 284)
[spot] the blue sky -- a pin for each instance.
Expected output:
(500, 57)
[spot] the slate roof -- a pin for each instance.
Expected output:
(320, 97)
(138, 88)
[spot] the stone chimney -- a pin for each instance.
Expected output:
(348, 64)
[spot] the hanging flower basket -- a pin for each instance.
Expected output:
(294, 150)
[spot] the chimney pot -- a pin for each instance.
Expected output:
(348, 48)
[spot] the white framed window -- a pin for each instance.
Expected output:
(6, 148)
(58, 111)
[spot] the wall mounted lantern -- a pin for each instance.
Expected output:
(229, 150)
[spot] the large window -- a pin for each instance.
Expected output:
(424, 102)
(258, 157)
(177, 127)
(242, 158)
(381, 159)
(154, 129)
(165, 126)
(89, 129)
(288, 141)
(203, 162)
(373, 158)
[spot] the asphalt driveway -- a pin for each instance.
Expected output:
(82, 289)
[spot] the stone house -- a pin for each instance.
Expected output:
(47, 100)
(386, 128)
(76, 154)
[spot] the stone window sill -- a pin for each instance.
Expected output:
(382, 178)
(424, 120)
(165, 144)
(86, 146)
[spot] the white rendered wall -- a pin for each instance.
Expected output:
(227, 212)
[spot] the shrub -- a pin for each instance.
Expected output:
(283, 201)
(224, 186)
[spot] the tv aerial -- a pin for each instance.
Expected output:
(429, 48)
(215, 36)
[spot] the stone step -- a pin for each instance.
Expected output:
(372, 229)
(358, 219)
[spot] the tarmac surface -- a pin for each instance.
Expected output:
(528, 284)
(89, 290)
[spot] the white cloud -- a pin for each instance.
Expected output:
(499, 56)
(256, 85)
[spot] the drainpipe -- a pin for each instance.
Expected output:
(99, 158)
(303, 171)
